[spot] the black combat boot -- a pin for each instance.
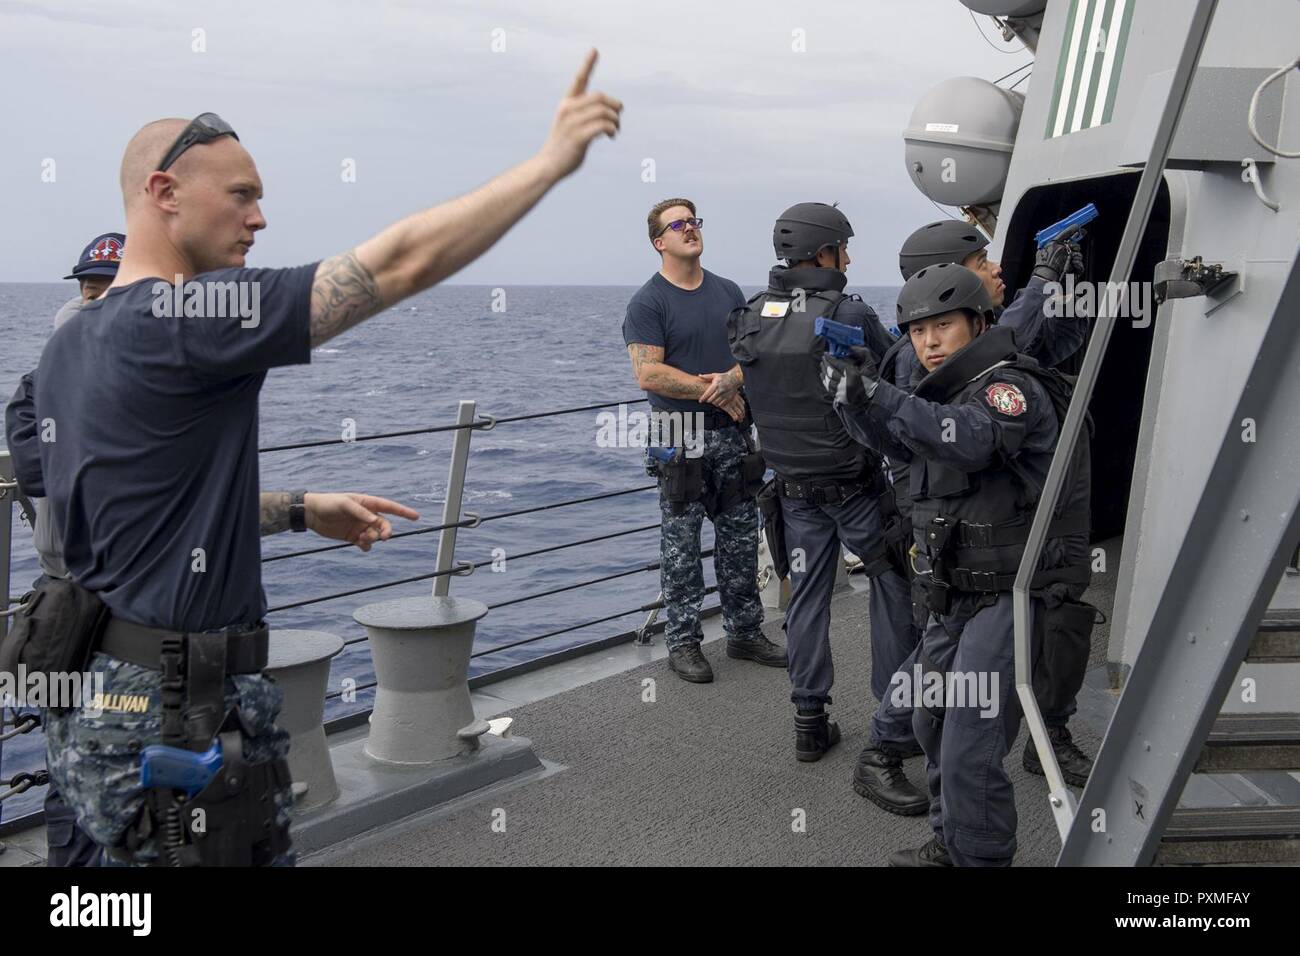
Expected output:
(1075, 764)
(759, 650)
(814, 734)
(689, 663)
(933, 853)
(879, 777)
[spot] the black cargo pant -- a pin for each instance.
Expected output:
(813, 535)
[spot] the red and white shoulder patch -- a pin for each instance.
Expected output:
(1006, 399)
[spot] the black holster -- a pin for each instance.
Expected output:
(234, 820)
(938, 540)
(769, 506)
(681, 482)
(1063, 658)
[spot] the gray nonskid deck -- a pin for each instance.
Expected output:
(704, 775)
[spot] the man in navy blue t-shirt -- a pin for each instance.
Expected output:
(150, 407)
(676, 334)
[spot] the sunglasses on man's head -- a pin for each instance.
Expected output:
(677, 225)
(204, 128)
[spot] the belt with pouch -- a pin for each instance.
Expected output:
(719, 419)
(823, 491)
(712, 418)
(246, 647)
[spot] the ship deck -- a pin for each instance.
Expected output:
(704, 775)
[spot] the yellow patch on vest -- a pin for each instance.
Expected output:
(775, 310)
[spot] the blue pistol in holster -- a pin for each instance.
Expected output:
(681, 479)
(839, 338)
(177, 769)
(207, 803)
(1075, 220)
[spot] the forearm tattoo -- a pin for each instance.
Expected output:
(275, 511)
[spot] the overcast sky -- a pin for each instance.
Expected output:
(415, 95)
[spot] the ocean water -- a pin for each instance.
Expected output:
(543, 349)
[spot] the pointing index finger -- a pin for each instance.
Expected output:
(580, 81)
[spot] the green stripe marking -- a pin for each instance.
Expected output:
(1119, 60)
(1060, 70)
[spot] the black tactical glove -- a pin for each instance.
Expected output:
(850, 381)
(1076, 260)
(1057, 257)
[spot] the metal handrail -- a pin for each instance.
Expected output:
(711, 589)
(565, 411)
(453, 520)
(484, 423)
(1063, 803)
(653, 566)
(472, 521)
(23, 725)
(460, 570)
(487, 424)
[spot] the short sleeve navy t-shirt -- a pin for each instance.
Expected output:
(690, 325)
(153, 463)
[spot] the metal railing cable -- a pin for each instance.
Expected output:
(23, 781)
(564, 504)
(565, 411)
(653, 566)
(23, 725)
(485, 423)
(711, 589)
(473, 521)
(462, 569)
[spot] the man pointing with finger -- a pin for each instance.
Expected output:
(155, 463)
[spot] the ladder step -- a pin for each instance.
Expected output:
(1231, 835)
(1251, 742)
(1277, 640)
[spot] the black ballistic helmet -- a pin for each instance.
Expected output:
(943, 288)
(946, 241)
(807, 227)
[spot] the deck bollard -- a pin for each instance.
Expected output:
(421, 648)
(300, 663)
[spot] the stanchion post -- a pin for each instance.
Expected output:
(455, 491)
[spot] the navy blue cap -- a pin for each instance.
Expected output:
(101, 257)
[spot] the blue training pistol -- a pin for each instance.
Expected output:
(839, 337)
(665, 456)
(1081, 218)
(177, 769)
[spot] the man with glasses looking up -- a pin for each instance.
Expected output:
(154, 473)
(676, 335)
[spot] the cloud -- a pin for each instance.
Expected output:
(749, 104)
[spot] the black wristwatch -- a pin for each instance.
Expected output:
(297, 511)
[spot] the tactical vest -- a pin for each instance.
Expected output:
(801, 436)
(973, 527)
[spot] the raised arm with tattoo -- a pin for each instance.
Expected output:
(423, 249)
